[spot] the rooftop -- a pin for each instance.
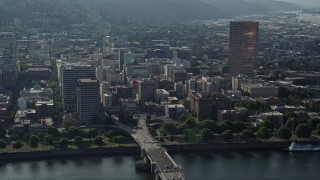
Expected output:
(88, 81)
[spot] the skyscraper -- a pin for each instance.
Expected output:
(147, 90)
(88, 100)
(8, 60)
(108, 44)
(243, 47)
(121, 58)
(7, 48)
(70, 75)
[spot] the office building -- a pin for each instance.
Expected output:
(121, 58)
(206, 105)
(243, 47)
(8, 64)
(124, 92)
(147, 90)
(70, 74)
(88, 100)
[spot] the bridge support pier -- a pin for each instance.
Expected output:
(144, 164)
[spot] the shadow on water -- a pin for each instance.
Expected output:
(35, 167)
(267, 153)
(63, 161)
(49, 164)
(95, 161)
(3, 167)
(246, 154)
(78, 161)
(187, 158)
(207, 156)
(17, 168)
(226, 155)
(118, 160)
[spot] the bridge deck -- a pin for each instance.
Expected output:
(165, 165)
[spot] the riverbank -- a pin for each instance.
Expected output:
(135, 150)
(35, 155)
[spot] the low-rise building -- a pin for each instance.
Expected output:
(173, 111)
(173, 100)
(22, 115)
(275, 117)
(286, 108)
(260, 90)
(161, 95)
(230, 115)
(129, 105)
(38, 128)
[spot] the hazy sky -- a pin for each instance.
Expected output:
(310, 3)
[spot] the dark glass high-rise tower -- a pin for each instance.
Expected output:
(243, 47)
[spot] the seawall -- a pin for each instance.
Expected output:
(135, 150)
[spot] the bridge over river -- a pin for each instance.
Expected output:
(152, 152)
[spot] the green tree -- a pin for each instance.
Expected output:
(34, 141)
(148, 118)
(49, 140)
(53, 132)
(92, 133)
(78, 141)
(189, 123)
(14, 137)
(209, 124)
(284, 132)
(238, 126)
(2, 144)
(170, 128)
(183, 118)
(247, 134)
(292, 123)
(17, 145)
(3, 133)
(264, 133)
(153, 132)
(63, 143)
(303, 131)
(161, 139)
(268, 124)
(98, 141)
(25, 137)
(294, 100)
(206, 134)
(70, 123)
(118, 139)
(313, 123)
(227, 134)
(225, 125)
(73, 132)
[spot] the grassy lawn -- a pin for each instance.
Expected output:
(25, 148)
(87, 143)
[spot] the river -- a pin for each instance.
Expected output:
(197, 166)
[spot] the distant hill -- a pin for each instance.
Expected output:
(248, 7)
(65, 12)
(158, 10)
(185, 10)
(39, 12)
(306, 3)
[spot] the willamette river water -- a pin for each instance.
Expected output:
(197, 166)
